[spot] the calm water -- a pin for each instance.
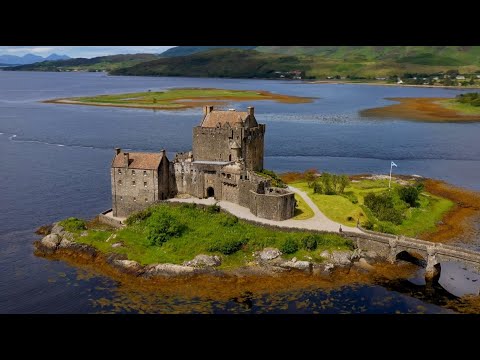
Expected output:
(55, 163)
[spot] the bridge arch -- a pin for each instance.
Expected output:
(411, 257)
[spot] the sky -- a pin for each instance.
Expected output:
(80, 51)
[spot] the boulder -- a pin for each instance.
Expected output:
(299, 265)
(329, 266)
(269, 254)
(66, 244)
(57, 229)
(341, 258)
(51, 242)
(204, 260)
(128, 266)
(363, 264)
(116, 245)
(168, 270)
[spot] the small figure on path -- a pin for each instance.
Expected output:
(340, 230)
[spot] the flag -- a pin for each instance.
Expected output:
(393, 164)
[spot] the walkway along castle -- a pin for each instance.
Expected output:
(228, 149)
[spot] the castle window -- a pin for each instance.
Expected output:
(144, 173)
(119, 182)
(133, 172)
(229, 176)
(121, 198)
(134, 199)
(146, 200)
(133, 183)
(241, 177)
(145, 184)
(120, 171)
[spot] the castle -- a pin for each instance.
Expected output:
(227, 154)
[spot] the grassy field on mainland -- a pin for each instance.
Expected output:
(199, 231)
(418, 220)
(180, 98)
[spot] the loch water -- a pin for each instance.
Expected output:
(55, 163)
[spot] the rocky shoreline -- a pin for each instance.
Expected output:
(60, 243)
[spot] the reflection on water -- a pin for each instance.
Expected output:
(346, 291)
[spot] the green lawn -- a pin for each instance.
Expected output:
(204, 229)
(302, 211)
(460, 108)
(338, 208)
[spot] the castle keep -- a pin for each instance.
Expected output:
(227, 153)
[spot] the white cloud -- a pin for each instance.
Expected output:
(33, 50)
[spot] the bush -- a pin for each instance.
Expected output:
(139, 216)
(386, 227)
(73, 224)
(161, 227)
(227, 246)
(212, 209)
(382, 206)
(410, 194)
(309, 242)
(289, 246)
(317, 188)
(189, 206)
(274, 178)
(229, 220)
(369, 225)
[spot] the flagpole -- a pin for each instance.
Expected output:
(390, 181)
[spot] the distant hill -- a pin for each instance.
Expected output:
(54, 57)
(217, 63)
(313, 62)
(28, 59)
(101, 63)
(420, 55)
(189, 50)
(318, 62)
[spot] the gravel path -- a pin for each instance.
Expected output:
(318, 222)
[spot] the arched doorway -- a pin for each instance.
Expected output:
(210, 192)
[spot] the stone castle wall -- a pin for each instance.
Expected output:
(276, 204)
(254, 148)
(213, 144)
(135, 189)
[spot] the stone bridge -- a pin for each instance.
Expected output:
(392, 247)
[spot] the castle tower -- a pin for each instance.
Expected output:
(225, 136)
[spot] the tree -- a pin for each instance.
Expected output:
(344, 181)
(327, 184)
(310, 175)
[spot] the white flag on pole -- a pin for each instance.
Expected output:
(393, 164)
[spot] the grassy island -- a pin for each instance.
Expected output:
(166, 233)
(462, 108)
(177, 99)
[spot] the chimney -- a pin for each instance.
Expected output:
(251, 110)
(163, 152)
(118, 151)
(208, 109)
(126, 159)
